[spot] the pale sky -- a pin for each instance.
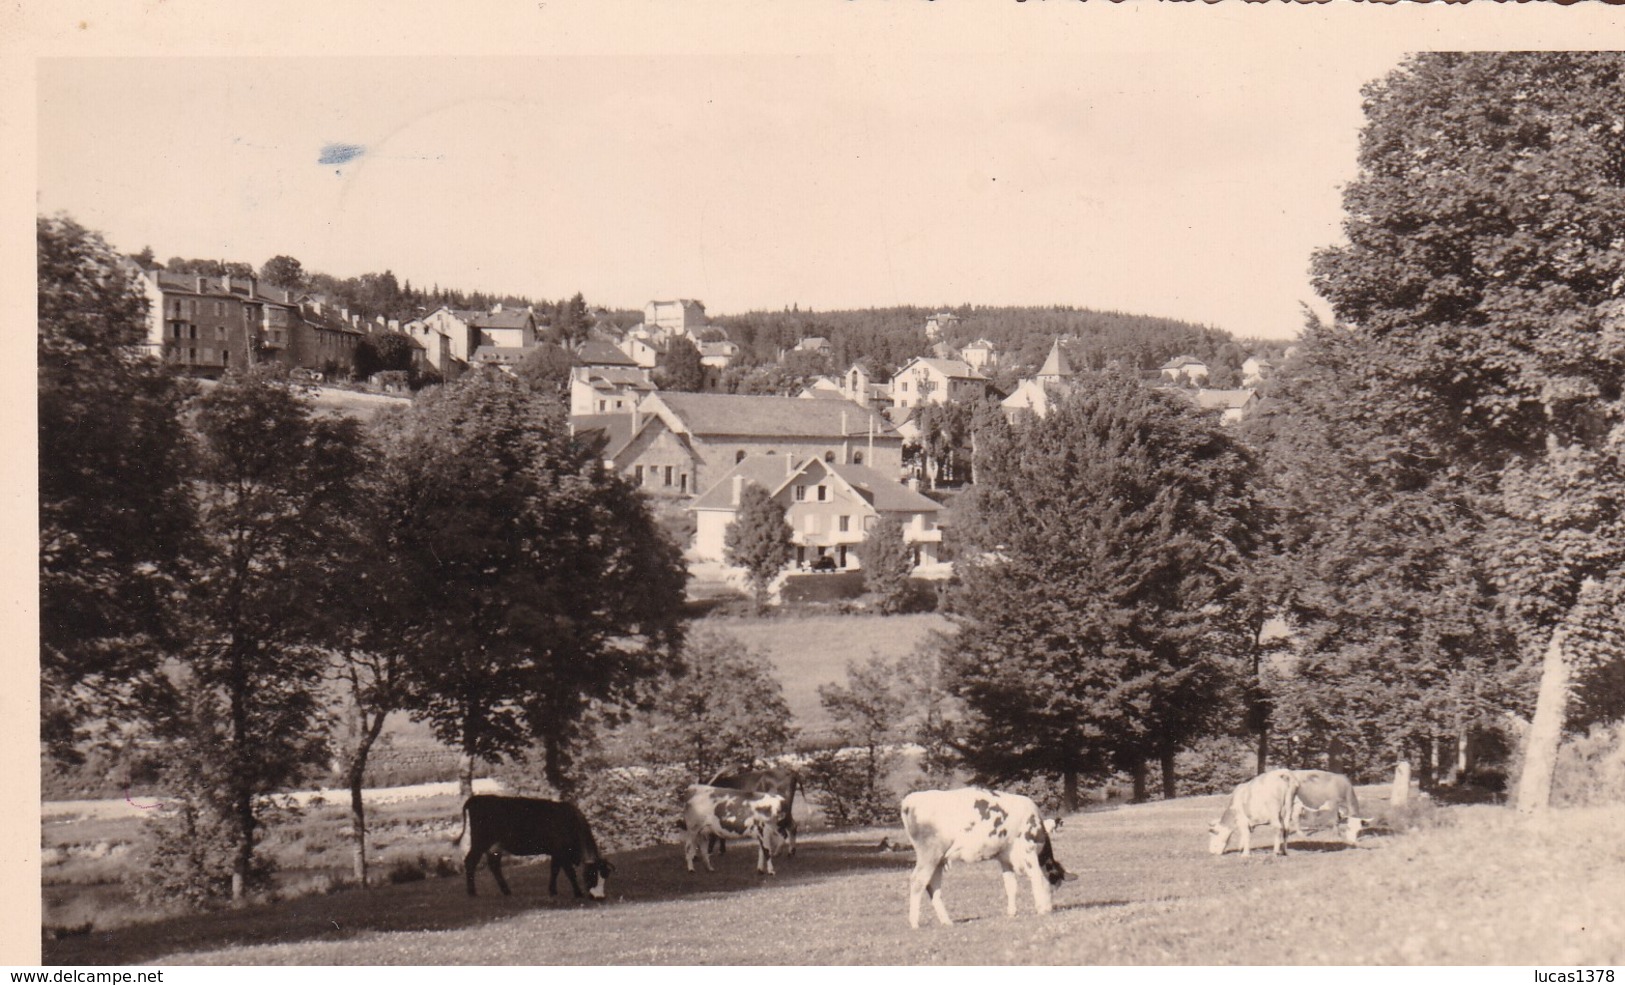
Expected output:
(1168, 183)
(1166, 159)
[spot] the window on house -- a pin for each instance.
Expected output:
(801, 494)
(225, 357)
(829, 456)
(823, 493)
(682, 482)
(857, 458)
(846, 524)
(193, 330)
(219, 308)
(668, 475)
(602, 406)
(739, 456)
(637, 474)
(904, 385)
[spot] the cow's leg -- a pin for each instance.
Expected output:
(471, 862)
(494, 860)
(689, 851)
(1280, 835)
(764, 858)
(934, 890)
(569, 873)
(1245, 831)
(1042, 900)
(926, 872)
(1012, 885)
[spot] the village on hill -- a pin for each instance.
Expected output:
(671, 403)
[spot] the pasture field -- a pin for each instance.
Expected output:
(1480, 886)
(807, 651)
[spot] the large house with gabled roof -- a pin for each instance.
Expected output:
(724, 429)
(923, 380)
(830, 506)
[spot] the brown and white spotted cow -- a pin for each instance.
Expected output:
(1265, 799)
(974, 824)
(1320, 790)
(776, 779)
(723, 813)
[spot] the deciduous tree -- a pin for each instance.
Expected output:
(1482, 277)
(116, 511)
(1104, 543)
(758, 539)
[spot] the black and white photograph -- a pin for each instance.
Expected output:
(862, 483)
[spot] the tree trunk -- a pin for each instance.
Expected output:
(1263, 749)
(1400, 794)
(1170, 783)
(1424, 763)
(465, 777)
(358, 812)
(245, 847)
(1545, 731)
(1069, 791)
(1140, 771)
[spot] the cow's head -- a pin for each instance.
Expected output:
(597, 876)
(1218, 837)
(1053, 870)
(1352, 826)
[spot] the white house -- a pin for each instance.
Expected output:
(923, 381)
(830, 506)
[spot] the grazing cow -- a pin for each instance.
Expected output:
(779, 779)
(973, 824)
(723, 813)
(527, 826)
(1319, 790)
(1265, 799)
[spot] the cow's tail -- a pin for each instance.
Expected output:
(466, 830)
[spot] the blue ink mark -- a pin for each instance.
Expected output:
(340, 153)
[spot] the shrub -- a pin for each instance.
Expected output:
(187, 857)
(1416, 814)
(633, 806)
(848, 789)
(407, 870)
(1215, 765)
(1591, 768)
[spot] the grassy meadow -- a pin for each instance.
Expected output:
(807, 651)
(1467, 885)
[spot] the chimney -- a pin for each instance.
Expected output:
(789, 466)
(200, 283)
(739, 488)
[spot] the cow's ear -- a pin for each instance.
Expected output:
(1051, 824)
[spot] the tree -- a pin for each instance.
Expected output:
(887, 563)
(573, 324)
(549, 591)
(681, 369)
(545, 368)
(1397, 645)
(724, 706)
(868, 714)
(1104, 542)
(758, 539)
(243, 711)
(116, 513)
(1481, 277)
(283, 271)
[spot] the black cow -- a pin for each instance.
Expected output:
(778, 779)
(527, 826)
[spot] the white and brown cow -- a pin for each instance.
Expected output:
(974, 824)
(775, 779)
(1320, 790)
(723, 813)
(1265, 799)
(527, 826)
